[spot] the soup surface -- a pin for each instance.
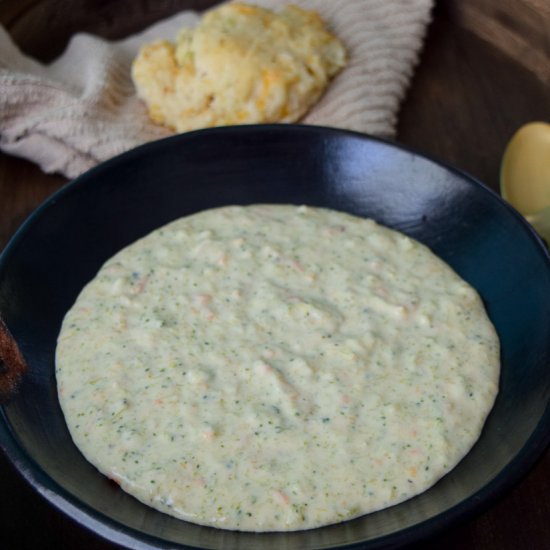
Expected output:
(274, 367)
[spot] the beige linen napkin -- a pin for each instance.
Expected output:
(82, 109)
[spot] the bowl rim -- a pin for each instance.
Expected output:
(126, 536)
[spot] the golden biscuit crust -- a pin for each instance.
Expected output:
(241, 65)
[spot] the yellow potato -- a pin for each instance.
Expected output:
(525, 172)
(525, 175)
(242, 64)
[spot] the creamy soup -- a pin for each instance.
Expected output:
(272, 367)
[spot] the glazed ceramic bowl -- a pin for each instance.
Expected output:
(67, 239)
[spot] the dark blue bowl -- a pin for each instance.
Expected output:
(66, 240)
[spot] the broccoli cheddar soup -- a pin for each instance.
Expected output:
(272, 367)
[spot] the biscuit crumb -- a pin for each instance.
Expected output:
(12, 364)
(242, 64)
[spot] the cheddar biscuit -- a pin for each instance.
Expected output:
(241, 65)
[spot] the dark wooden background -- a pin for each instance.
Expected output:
(484, 71)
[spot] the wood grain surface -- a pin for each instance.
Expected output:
(483, 73)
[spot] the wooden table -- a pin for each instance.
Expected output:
(483, 73)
